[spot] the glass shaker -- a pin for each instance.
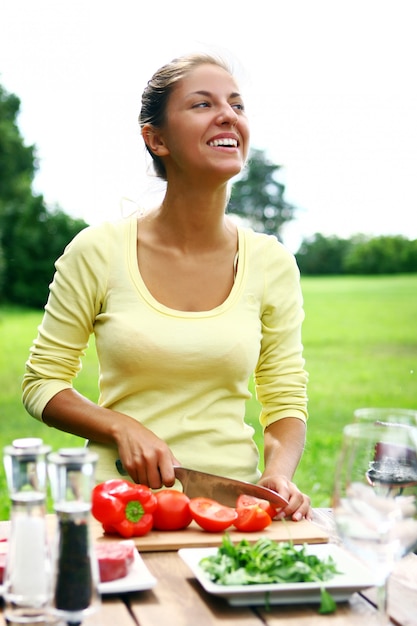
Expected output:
(27, 580)
(75, 569)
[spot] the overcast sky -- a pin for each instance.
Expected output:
(330, 88)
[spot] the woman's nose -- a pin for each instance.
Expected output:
(228, 115)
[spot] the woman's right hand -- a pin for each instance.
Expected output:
(146, 458)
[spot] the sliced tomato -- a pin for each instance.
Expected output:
(211, 515)
(245, 500)
(252, 519)
(172, 510)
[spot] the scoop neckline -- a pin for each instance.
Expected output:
(162, 308)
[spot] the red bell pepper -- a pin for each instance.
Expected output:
(123, 507)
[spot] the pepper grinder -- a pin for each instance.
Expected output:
(75, 569)
(27, 580)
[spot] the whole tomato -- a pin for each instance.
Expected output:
(172, 510)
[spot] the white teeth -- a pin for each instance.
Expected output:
(226, 141)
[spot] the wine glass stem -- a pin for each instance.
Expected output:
(382, 604)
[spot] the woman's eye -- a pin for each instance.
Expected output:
(205, 104)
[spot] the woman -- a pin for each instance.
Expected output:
(184, 306)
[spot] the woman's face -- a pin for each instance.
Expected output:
(206, 130)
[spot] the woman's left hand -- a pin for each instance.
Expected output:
(299, 504)
(284, 442)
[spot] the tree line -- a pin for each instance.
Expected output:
(386, 254)
(258, 198)
(33, 235)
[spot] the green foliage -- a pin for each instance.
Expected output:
(265, 561)
(31, 235)
(382, 255)
(259, 198)
(32, 239)
(322, 255)
(17, 167)
(358, 255)
(17, 161)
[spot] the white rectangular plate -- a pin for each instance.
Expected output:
(354, 577)
(139, 578)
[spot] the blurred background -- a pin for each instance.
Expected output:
(329, 87)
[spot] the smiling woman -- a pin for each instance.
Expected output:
(185, 307)
(190, 111)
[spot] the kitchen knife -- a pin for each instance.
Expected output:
(197, 484)
(224, 490)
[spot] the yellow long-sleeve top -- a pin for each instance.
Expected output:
(184, 375)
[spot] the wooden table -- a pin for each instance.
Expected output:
(178, 600)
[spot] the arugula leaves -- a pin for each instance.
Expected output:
(268, 561)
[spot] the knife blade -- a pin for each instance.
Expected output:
(197, 484)
(224, 490)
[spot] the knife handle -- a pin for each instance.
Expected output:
(120, 468)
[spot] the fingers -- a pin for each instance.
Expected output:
(149, 464)
(151, 472)
(299, 507)
(299, 504)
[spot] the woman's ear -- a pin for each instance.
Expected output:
(154, 140)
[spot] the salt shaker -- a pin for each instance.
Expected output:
(27, 580)
(75, 569)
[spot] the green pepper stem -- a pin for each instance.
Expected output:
(134, 511)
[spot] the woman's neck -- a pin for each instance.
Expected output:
(193, 219)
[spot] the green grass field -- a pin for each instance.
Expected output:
(360, 340)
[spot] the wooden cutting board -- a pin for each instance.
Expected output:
(195, 537)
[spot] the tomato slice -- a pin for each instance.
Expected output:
(252, 519)
(245, 500)
(211, 515)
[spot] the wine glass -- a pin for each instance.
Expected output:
(391, 415)
(375, 497)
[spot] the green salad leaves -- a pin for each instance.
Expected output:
(268, 561)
